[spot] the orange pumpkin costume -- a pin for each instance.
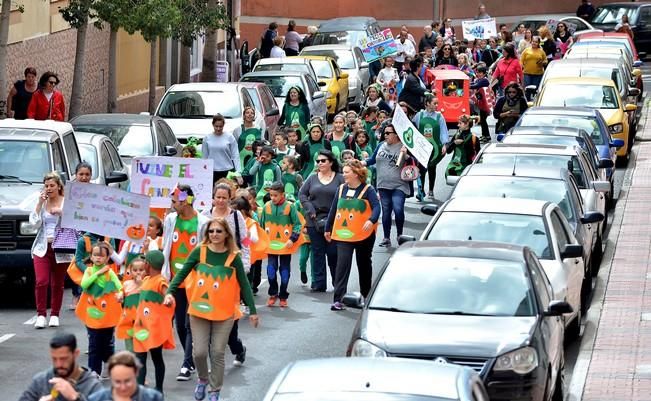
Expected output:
(153, 323)
(258, 249)
(351, 216)
(280, 227)
(98, 306)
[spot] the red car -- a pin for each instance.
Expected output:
(452, 87)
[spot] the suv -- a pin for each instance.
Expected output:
(347, 30)
(606, 17)
(28, 150)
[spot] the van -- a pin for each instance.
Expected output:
(347, 30)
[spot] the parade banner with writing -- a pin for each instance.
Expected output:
(479, 29)
(378, 46)
(416, 143)
(105, 211)
(157, 177)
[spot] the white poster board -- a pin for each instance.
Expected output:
(378, 46)
(105, 211)
(156, 177)
(416, 143)
(479, 29)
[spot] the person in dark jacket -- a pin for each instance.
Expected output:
(490, 54)
(585, 10)
(428, 39)
(71, 381)
(509, 108)
(267, 41)
(414, 89)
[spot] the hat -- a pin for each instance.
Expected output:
(155, 259)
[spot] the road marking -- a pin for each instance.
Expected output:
(31, 320)
(6, 337)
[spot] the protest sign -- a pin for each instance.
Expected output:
(104, 210)
(479, 29)
(157, 177)
(551, 24)
(415, 142)
(378, 46)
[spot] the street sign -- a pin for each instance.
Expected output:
(223, 70)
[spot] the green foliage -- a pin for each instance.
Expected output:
(197, 18)
(77, 12)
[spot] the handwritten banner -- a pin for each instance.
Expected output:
(106, 211)
(157, 177)
(416, 143)
(479, 29)
(378, 46)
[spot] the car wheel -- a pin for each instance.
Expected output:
(610, 200)
(573, 331)
(558, 388)
(586, 288)
(597, 256)
(622, 161)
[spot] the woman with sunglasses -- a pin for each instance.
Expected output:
(317, 195)
(446, 56)
(47, 103)
(214, 302)
(509, 108)
(563, 38)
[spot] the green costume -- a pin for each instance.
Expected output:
(369, 126)
(310, 163)
(264, 177)
(245, 141)
(463, 153)
(339, 146)
(295, 116)
(431, 130)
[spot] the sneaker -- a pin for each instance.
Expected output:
(304, 277)
(200, 391)
(385, 243)
(54, 321)
(255, 290)
(184, 375)
(283, 303)
(337, 306)
(272, 300)
(240, 358)
(430, 194)
(314, 289)
(40, 322)
(213, 396)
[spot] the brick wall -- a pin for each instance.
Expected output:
(137, 102)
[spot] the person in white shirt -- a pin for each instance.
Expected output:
(277, 51)
(388, 77)
(406, 48)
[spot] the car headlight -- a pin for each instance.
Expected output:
(27, 229)
(521, 361)
(615, 128)
(366, 349)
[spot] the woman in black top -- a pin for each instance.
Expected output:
(446, 56)
(21, 94)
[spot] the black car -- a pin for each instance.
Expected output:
(606, 17)
(487, 306)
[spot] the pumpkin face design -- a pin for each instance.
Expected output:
(350, 218)
(98, 307)
(214, 293)
(153, 324)
(136, 232)
(125, 326)
(184, 240)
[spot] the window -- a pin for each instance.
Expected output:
(645, 16)
(196, 53)
(312, 86)
(57, 155)
(115, 157)
(72, 151)
(559, 229)
(107, 164)
(268, 99)
(166, 134)
(540, 282)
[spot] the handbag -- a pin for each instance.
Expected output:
(65, 240)
(410, 172)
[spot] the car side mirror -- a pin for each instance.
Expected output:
(353, 300)
(322, 84)
(403, 239)
(558, 308)
(606, 163)
(569, 251)
(592, 217)
(318, 95)
(500, 137)
(630, 107)
(116, 176)
(429, 210)
(170, 151)
(601, 186)
(616, 143)
(344, 75)
(452, 179)
(363, 65)
(272, 112)
(633, 92)
(64, 176)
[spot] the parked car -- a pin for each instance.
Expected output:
(281, 81)
(351, 61)
(597, 93)
(29, 149)
(265, 103)
(618, 37)
(574, 23)
(134, 135)
(336, 82)
(639, 17)
(299, 64)
(189, 108)
(99, 151)
(346, 30)
(375, 379)
(484, 305)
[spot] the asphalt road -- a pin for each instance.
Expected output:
(307, 329)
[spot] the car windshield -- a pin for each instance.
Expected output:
(456, 286)
(545, 140)
(601, 44)
(298, 67)
(588, 124)
(564, 71)
(344, 58)
(323, 68)
(516, 187)
(517, 229)
(200, 104)
(571, 163)
(279, 85)
(88, 154)
(354, 395)
(340, 37)
(568, 95)
(27, 160)
(613, 14)
(131, 140)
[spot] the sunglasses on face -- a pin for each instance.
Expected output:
(322, 160)
(52, 82)
(215, 231)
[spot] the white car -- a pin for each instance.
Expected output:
(537, 224)
(189, 108)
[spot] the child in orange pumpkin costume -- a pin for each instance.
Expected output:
(152, 330)
(130, 297)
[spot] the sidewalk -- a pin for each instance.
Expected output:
(620, 363)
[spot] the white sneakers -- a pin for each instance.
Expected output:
(41, 321)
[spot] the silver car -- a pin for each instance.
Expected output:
(351, 61)
(375, 379)
(99, 151)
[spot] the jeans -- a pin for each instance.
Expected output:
(49, 273)
(532, 80)
(392, 200)
(210, 338)
(159, 367)
(234, 342)
(183, 327)
(303, 256)
(364, 257)
(483, 122)
(322, 249)
(101, 346)
(275, 263)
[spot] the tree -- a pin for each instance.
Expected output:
(5, 12)
(209, 62)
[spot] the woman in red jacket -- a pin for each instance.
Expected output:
(47, 103)
(508, 68)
